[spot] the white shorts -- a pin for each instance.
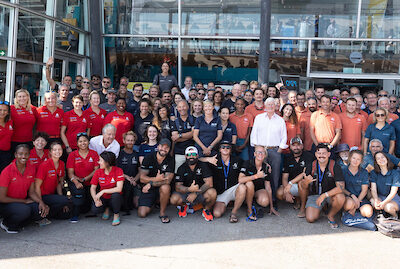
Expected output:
(228, 195)
(294, 189)
(179, 160)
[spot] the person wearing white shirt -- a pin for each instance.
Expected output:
(106, 141)
(188, 85)
(269, 130)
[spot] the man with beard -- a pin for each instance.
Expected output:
(194, 184)
(305, 123)
(295, 167)
(375, 145)
(156, 174)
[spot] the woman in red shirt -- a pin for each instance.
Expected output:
(81, 165)
(49, 181)
(49, 118)
(74, 122)
(95, 114)
(292, 125)
(121, 119)
(18, 199)
(39, 154)
(111, 180)
(24, 116)
(6, 132)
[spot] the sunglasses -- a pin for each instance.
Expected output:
(382, 95)
(108, 82)
(380, 115)
(87, 82)
(81, 134)
(226, 147)
(260, 152)
(4, 103)
(193, 154)
(393, 101)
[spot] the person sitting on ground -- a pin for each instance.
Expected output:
(225, 169)
(194, 185)
(296, 166)
(156, 174)
(324, 186)
(375, 145)
(357, 182)
(255, 174)
(110, 179)
(385, 182)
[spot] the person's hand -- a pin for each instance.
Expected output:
(207, 151)
(78, 185)
(320, 199)
(213, 160)
(43, 209)
(356, 201)
(159, 176)
(278, 85)
(269, 168)
(65, 209)
(98, 203)
(146, 188)
(260, 174)
(28, 201)
(304, 173)
(68, 150)
(381, 205)
(287, 189)
(191, 197)
(377, 203)
(193, 187)
(289, 197)
(98, 195)
(50, 61)
(273, 211)
(308, 179)
(174, 137)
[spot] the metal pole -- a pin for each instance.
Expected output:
(265, 35)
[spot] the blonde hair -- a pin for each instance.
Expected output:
(384, 110)
(192, 105)
(29, 105)
(47, 94)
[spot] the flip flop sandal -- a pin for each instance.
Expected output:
(333, 224)
(233, 218)
(253, 216)
(105, 216)
(164, 219)
(116, 222)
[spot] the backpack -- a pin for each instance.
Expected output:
(388, 226)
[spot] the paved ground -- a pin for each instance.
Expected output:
(271, 242)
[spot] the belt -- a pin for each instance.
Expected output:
(274, 147)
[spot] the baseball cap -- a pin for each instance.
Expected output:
(111, 91)
(243, 82)
(191, 149)
(296, 140)
(225, 142)
(165, 141)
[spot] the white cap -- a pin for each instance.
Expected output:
(191, 149)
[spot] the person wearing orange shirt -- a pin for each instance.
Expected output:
(359, 111)
(305, 123)
(292, 125)
(325, 125)
(300, 107)
(353, 125)
(383, 102)
(257, 107)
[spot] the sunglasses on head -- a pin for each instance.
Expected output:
(4, 103)
(192, 154)
(81, 134)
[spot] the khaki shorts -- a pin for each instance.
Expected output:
(228, 195)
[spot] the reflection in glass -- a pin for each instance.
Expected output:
(28, 76)
(367, 57)
(31, 31)
(228, 17)
(66, 38)
(139, 59)
(3, 71)
(37, 5)
(70, 11)
(288, 57)
(4, 21)
(141, 17)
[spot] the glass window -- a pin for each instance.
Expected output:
(38, 5)
(229, 17)
(141, 17)
(288, 57)
(314, 18)
(70, 11)
(139, 59)
(4, 21)
(380, 19)
(3, 77)
(355, 57)
(220, 61)
(29, 76)
(67, 38)
(31, 35)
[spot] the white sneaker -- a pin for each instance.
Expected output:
(5, 228)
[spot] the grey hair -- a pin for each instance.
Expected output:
(269, 100)
(108, 126)
(375, 140)
(383, 99)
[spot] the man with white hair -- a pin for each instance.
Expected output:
(106, 141)
(269, 130)
(383, 102)
(374, 146)
(230, 102)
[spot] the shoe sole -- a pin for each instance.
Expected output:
(205, 217)
(5, 228)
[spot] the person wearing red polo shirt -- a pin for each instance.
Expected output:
(74, 122)
(19, 202)
(95, 114)
(6, 132)
(121, 119)
(48, 183)
(50, 117)
(111, 180)
(39, 154)
(325, 125)
(23, 116)
(354, 125)
(81, 165)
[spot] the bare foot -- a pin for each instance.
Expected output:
(301, 214)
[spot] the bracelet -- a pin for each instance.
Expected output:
(326, 194)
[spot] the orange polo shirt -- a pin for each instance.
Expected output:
(364, 114)
(251, 109)
(325, 125)
(242, 123)
(305, 127)
(392, 117)
(352, 129)
(299, 112)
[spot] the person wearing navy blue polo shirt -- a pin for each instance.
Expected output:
(356, 182)
(385, 182)
(143, 118)
(381, 130)
(375, 145)
(396, 126)
(228, 128)
(207, 131)
(132, 105)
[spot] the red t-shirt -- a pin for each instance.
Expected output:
(23, 123)
(75, 125)
(292, 130)
(107, 181)
(18, 184)
(96, 121)
(50, 176)
(123, 123)
(48, 122)
(83, 166)
(35, 160)
(6, 134)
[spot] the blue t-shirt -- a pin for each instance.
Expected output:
(182, 127)
(385, 135)
(396, 125)
(230, 130)
(369, 159)
(353, 183)
(385, 182)
(207, 131)
(145, 149)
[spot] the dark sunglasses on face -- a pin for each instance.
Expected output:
(4, 103)
(393, 101)
(225, 147)
(191, 154)
(87, 82)
(380, 115)
(382, 95)
(108, 82)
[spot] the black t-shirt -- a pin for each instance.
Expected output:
(229, 104)
(151, 164)
(182, 127)
(221, 183)
(328, 181)
(294, 168)
(249, 169)
(140, 126)
(186, 175)
(132, 106)
(128, 162)
(166, 129)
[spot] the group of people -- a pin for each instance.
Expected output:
(94, 149)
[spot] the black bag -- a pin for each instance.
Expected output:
(388, 226)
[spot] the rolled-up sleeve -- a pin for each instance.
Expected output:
(283, 144)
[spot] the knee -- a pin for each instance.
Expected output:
(249, 185)
(210, 194)
(279, 193)
(217, 212)
(311, 217)
(165, 189)
(390, 208)
(241, 189)
(349, 204)
(175, 200)
(339, 199)
(23, 213)
(262, 200)
(366, 211)
(142, 212)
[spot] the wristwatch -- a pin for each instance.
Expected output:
(180, 135)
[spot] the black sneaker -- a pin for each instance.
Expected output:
(8, 230)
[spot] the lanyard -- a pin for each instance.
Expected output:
(320, 177)
(226, 172)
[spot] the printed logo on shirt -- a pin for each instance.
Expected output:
(245, 120)
(198, 171)
(52, 172)
(332, 119)
(14, 179)
(102, 116)
(10, 128)
(90, 160)
(302, 163)
(84, 120)
(214, 124)
(134, 161)
(235, 166)
(102, 179)
(228, 129)
(72, 118)
(358, 120)
(164, 167)
(127, 118)
(112, 180)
